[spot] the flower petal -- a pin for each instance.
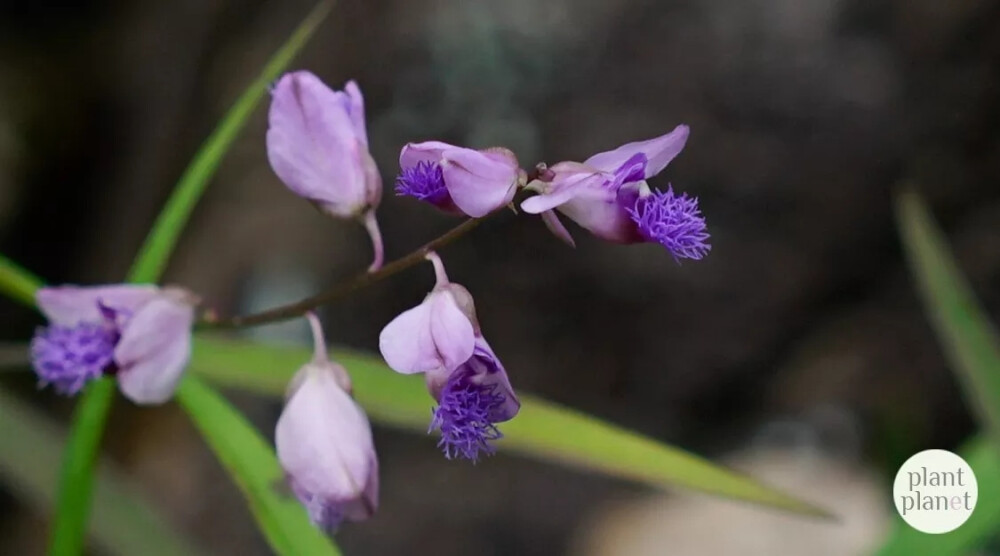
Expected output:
(154, 350)
(453, 333)
(479, 183)
(406, 343)
(324, 444)
(492, 372)
(69, 305)
(605, 219)
(659, 152)
(356, 110)
(312, 143)
(569, 180)
(552, 222)
(415, 153)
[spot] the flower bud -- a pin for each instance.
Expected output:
(324, 443)
(318, 145)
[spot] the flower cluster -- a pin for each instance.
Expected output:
(317, 145)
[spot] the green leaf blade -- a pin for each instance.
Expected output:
(251, 462)
(972, 346)
(968, 337)
(542, 430)
(17, 283)
(76, 481)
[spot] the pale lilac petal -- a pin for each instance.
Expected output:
(356, 110)
(569, 180)
(372, 177)
(324, 444)
(69, 305)
(368, 503)
(312, 145)
(453, 333)
(478, 183)
(154, 349)
(606, 219)
(406, 343)
(552, 222)
(427, 151)
(658, 152)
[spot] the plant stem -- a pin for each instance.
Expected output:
(338, 291)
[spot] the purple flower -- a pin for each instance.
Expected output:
(318, 145)
(607, 194)
(459, 180)
(441, 338)
(324, 443)
(141, 334)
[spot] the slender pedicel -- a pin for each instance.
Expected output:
(343, 289)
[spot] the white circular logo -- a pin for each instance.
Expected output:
(935, 491)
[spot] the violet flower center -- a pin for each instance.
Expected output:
(67, 357)
(425, 181)
(673, 221)
(464, 417)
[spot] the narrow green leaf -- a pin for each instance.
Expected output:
(982, 525)
(17, 283)
(252, 464)
(152, 258)
(124, 522)
(76, 482)
(969, 339)
(542, 430)
(970, 342)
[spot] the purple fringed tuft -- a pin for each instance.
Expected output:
(674, 222)
(425, 181)
(463, 417)
(67, 357)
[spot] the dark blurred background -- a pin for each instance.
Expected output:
(797, 350)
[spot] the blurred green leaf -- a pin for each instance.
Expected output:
(155, 252)
(977, 531)
(964, 331)
(76, 481)
(542, 430)
(970, 342)
(124, 522)
(251, 462)
(17, 283)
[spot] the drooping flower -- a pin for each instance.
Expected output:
(324, 443)
(141, 334)
(459, 180)
(608, 195)
(442, 339)
(318, 145)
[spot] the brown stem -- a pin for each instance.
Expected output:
(342, 289)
